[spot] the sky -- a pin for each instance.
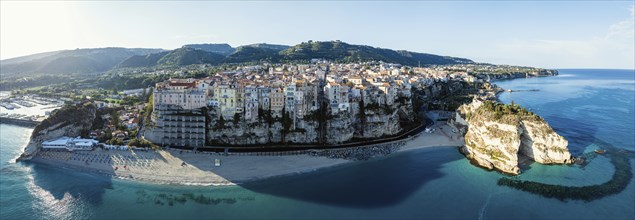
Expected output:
(562, 34)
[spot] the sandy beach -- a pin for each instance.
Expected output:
(173, 166)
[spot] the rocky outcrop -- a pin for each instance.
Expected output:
(305, 132)
(71, 121)
(243, 135)
(498, 135)
(380, 125)
(514, 75)
(261, 132)
(542, 144)
(339, 129)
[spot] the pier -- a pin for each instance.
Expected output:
(523, 90)
(20, 122)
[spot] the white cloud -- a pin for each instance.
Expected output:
(623, 30)
(616, 49)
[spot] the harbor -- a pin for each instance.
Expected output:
(26, 110)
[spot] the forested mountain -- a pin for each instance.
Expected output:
(82, 61)
(71, 61)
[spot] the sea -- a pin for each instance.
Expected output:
(583, 105)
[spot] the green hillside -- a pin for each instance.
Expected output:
(223, 49)
(71, 61)
(253, 54)
(187, 56)
(343, 52)
(83, 61)
(142, 60)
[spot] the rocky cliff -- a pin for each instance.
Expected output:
(499, 135)
(514, 75)
(262, 134)
(339, 128)
(379, 125)
(72, 121)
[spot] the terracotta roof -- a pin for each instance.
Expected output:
(183, 84)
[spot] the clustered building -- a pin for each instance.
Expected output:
(177, 112)
(297, 90)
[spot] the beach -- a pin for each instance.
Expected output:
(184, 167)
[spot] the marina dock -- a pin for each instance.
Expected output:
(20, 122)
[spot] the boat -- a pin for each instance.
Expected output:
(8, 106)
(600, 151)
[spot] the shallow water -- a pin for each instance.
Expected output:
(428, 183)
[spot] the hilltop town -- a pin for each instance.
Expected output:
(316, 103)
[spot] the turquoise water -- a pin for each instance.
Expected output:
(428, 183)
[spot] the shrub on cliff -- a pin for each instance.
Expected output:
(67, 115)
(141, 143)
(505, 113)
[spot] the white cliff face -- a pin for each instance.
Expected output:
(494, 145)
(243, 135)
(379, 125)
(544, 145)
(306, 133)
(263, 133)
(339, 129)
(496, 140)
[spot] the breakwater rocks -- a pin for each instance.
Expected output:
(498, 135)
(144, 197)
(19, 122)
(619, 181)
(360, 153)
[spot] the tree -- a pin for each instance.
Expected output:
(221, 123)
(114, 117)
(236, 118)
(149, 107)
(362, 116)
(130, 100)
(150, 95)
(140, 143)
(107, 135)
(286, 124)
(135, 142)
(287, 121)
(114, 141)
(133, 133)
